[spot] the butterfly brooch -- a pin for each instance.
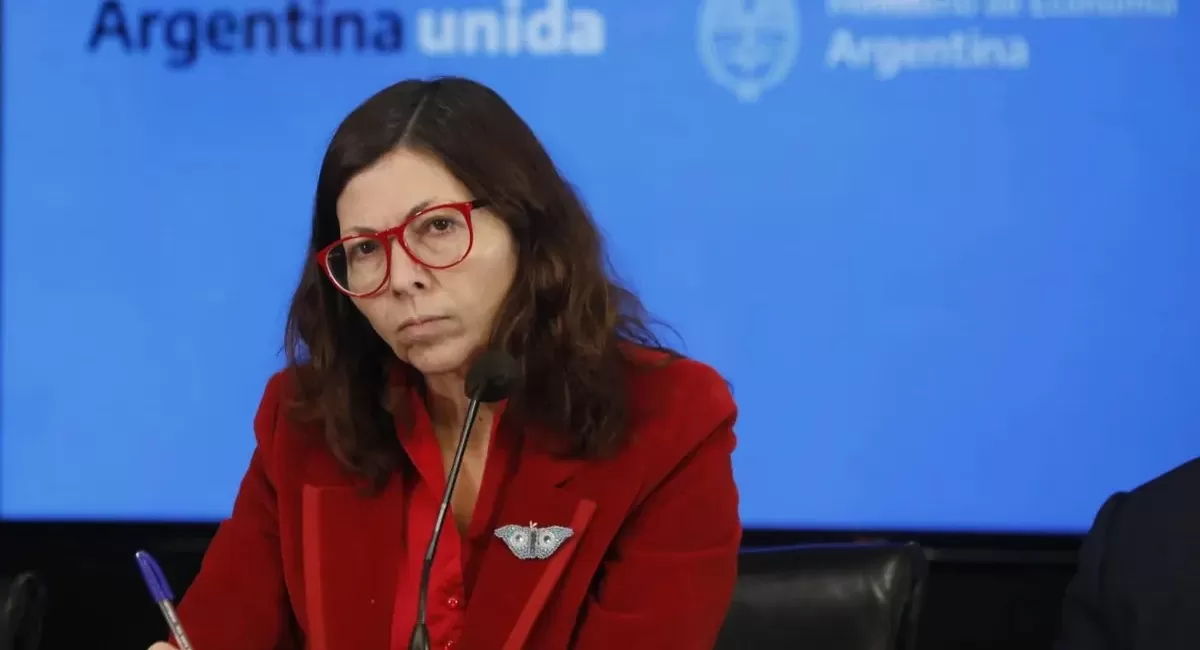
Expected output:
(531, 542)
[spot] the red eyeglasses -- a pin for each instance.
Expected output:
(436, 238)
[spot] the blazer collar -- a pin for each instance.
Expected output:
(509, 592)
(350, 553)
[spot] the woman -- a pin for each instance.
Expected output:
(441, 229)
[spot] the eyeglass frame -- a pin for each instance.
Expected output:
(384, 237)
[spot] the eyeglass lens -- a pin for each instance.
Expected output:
(437, 238)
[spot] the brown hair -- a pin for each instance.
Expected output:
(568, 323)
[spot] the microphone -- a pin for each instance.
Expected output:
(490, 379)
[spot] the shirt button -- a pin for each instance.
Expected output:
(453, 603)
(448, 645)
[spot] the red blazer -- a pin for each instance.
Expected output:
(307, 561)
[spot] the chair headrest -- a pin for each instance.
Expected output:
(22, 606)
(843, 596)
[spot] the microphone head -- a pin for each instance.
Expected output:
(492, 376)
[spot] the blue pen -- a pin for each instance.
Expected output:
(161, 592)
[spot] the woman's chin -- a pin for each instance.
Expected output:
(440, 357)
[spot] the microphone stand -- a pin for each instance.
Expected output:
(420, 633)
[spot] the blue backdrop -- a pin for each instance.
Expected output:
(946, 251)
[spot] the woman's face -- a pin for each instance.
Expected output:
(434, 320)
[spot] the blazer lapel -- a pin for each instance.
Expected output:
(510, 593)
(351, 558)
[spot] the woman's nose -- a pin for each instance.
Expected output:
(406, 273)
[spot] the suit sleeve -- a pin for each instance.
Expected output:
(1087, 616)
(238, 600)
(669, 577)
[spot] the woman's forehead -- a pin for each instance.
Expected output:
(396, 187)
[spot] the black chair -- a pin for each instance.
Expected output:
(827, 597)
(22, 606)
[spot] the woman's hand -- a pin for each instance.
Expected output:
(163, 646)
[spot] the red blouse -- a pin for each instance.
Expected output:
(456, 562)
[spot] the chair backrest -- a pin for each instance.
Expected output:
(827, 597)
(22, 606)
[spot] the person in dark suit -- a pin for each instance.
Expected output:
(1138, 581)
(441, 230)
